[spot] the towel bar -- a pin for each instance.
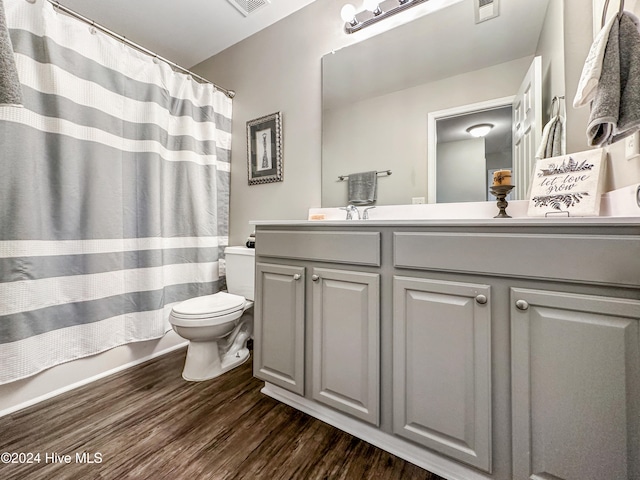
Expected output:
(384, 172)
(606, 7)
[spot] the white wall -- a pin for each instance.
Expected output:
(551, 49)
(462, 171)
(578, 17)
(279, 69)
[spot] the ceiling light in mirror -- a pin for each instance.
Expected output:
(480, 130)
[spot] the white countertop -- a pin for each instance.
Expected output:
(530, 221)
(465, 214)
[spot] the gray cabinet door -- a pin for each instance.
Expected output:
(575, 386)
(346, 342)
(279, 326)
(442, 367)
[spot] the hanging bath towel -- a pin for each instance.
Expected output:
(363, 188)
(10, 90)
(553, 142)
(592, 70)
(615, 110)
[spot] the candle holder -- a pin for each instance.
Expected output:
(500, 192)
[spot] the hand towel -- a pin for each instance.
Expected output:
(363, 188)
(10, 90)
(553, 143)
(629, 118)
(605, 107)
(615, 110)
(588, 84)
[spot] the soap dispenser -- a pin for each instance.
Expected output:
(251, 241)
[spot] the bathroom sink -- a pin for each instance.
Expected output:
(429, 211)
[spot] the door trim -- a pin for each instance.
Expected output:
(432, 146)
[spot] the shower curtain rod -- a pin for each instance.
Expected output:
(229, 93)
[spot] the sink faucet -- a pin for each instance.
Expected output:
(352, 212)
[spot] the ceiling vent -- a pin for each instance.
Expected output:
(247, 7)
(486, 9)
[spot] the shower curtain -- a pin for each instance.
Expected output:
(114, 188)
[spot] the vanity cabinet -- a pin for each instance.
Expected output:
(346, 341)
(478, 350)
(575, 386)
(442, 367)
(333, 309)
(278, 352)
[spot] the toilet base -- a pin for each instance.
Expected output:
(204, 363)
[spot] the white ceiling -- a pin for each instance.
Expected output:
(185, 32)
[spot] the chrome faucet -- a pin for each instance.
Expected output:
(365, 214)
(352, 212)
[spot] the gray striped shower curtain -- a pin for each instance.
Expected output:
(114, 188)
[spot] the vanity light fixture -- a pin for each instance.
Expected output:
(348, 14)
(479, 130)
(373, 6)
(374, 10)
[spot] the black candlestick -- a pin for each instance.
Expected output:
(500, 192)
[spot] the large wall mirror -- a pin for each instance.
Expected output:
(378, 95)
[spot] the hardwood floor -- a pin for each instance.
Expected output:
(147, 422)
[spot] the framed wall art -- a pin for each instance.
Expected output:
(571, 185)
(264, 149)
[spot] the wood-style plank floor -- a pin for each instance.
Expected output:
(148, 423)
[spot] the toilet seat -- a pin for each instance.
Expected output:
(209, 307)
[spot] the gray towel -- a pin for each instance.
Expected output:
(10, 91)
(629, 120)
(363, 188)
(615, 110)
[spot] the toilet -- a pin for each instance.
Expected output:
(219, 325)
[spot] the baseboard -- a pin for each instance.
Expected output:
(99, 376)
(407, 451)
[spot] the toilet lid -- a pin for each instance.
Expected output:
(220, 303)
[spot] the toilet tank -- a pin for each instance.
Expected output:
(240, 270)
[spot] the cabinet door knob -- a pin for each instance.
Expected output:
(297, 276)
(315, 278)
(522, 305)
(481, 299)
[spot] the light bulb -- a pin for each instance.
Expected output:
(348, 13)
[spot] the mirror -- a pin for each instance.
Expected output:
(478, 157)
(377, 94)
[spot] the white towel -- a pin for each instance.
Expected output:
(554, 142)
(588, 84)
